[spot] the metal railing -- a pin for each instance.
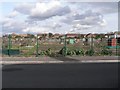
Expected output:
(36, 46)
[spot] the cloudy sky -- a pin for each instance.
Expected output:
(58, 16)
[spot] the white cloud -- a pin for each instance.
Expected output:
(36, 29)
(56, 16)
(13, 14)
(12, 25)
(43, 10)
(46, 10)
(43, 7)
(103, 22)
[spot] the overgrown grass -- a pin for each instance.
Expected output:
(72, 49)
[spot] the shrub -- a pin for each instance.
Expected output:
(43, 53)
(49, 52)
(71, 52)
(62, 51)
(90, 52)
(79, 52)
(53, 54)
(106, 52)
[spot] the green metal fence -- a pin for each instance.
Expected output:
(63, 46)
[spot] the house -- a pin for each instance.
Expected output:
(40, 35)
(71, 41)
(43, 36)
(14, 35)
(89, 37)
(70, 38)
(56, 36)
(23, 35)
(70, 35)
(114, 39)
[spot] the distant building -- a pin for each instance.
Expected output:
(56, 36)
(71, 35)
(114, 39)
(23, 35)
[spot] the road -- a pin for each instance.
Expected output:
(72, 75)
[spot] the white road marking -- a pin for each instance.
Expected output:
(41, 62)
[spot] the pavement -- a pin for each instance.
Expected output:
(67, 59)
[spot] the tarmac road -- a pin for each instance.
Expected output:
(71, 75)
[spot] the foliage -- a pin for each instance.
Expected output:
(90, 52)
(79, 52)
(50, 35)
(71, 52)
(62, 51)
(106, 52)
(43, 53)
(47, 52)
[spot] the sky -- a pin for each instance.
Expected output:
(58, 16)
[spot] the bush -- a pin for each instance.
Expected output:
(71, 52)
(90, 52)
(62, 51)
(53, 54)
(79, 52)
(68, 51)
(49, 52)
(43, 53)
(106, 52)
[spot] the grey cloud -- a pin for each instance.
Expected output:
(58, 11)
(11, 30)
(87, 13)
(86, 20)
(24, 8)
(105, 7)
(101, 7)
(11, 25)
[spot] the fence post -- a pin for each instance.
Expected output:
(9, 44)
(37, 46)
(116, 44)
(65, 46)
(92, 42)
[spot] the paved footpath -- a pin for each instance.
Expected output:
(67, 59)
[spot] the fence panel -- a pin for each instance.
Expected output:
(38, 46)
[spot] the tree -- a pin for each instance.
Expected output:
(101, 36)
(50, 35)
